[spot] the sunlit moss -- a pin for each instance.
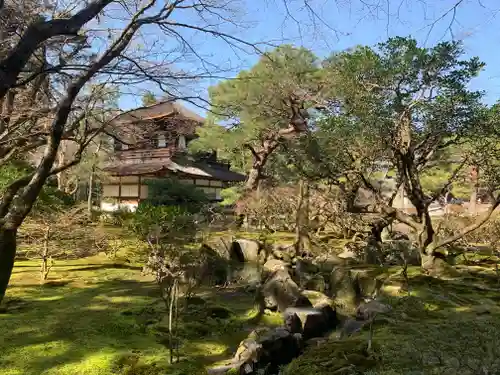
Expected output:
(106, 315)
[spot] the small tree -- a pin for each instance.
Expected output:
(169, 220)
(413, 104)
(54, 225)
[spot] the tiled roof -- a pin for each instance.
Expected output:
(157, 111)
(183, 165)
(143, 123)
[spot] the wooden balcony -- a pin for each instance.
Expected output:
(130, 156)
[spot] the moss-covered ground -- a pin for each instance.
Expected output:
(97, 317)
(440, 327)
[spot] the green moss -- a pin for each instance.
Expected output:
(107, 319)
(334, 357)
(101, 317)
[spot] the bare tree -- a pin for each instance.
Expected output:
(53, 227)
(72, 54)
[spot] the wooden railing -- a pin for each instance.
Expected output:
(130, 155)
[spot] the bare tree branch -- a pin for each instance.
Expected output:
(36, 34)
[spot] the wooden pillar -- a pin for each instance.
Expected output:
(139, 190)
(119, 191)
(474, 179)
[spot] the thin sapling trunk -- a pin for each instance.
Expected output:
(303, 241)
(45, 267)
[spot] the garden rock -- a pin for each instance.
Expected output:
(247, 273)
(273, 265)
(246, 251)
(285, 253)
(344, 289)
(368, 310)
(316, 322)
(282, 291)
(316, 283)
(248, 351)
(292, 322)
(317, 298)
(213, 268)
(281, 255)
(330, 315)
(304, 271)
(279, 347)
(266, 353)
(327, 262)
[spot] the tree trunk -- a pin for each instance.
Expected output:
(91, 179)
(253, 177)
(434, 264)
(474, 188)
(303, 241)
(260, 157)
(44, 270)
(378, 226)
(36, 34)
(61, 157)
(8, 246)
(91, 187)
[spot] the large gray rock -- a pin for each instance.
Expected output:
(367, 252)
(273, 265)
(344, 289)
(265, 353)
(316, 283)
(281, 291)
(245, 250)
(248, 350)
(316, 322)
(303, 272)
(212, 268)
(330, 315)
(292, 322)
(349, 286)
(247, 273)
(368, 310)
(285, 253)
(327, 262)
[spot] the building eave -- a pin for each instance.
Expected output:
(177, 166)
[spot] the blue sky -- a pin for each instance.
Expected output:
(337, 25)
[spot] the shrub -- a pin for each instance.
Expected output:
(163, 220)
(230, 195)
(273, 208)
(172, 192)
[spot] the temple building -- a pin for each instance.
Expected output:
(151, 142)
